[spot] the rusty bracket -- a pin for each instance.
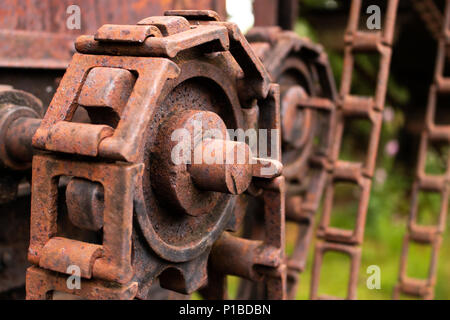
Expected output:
(253, 259)
(122, 142)
(146, 40)
(110, 261)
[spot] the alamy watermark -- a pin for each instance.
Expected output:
(73, 21)
(74, 280)
(195, 147)
(374, 280)
(374, 20)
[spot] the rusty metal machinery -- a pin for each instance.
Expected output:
(308, 97)
(311, 148)
(433, 132)
(332, 239)
(20, 115)
(107, 196)
(36, 49)
(139, 84)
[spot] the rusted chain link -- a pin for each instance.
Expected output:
(438, 184)
(358, 173)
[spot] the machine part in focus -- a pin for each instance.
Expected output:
(430, 235)
(149, 89)
(357, 173)
(308, 97)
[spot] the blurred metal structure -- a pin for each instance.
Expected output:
(430, 15)
(308, 98)
(282, 13)
(425, 182)
(37, 35)
(20, 115)
(360, 174)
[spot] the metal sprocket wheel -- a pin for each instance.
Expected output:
(302, 69)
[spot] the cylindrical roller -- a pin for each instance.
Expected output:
(85, 204)
(235, 256)
(225, 167)
(19, 138)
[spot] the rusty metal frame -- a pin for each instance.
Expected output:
(354, 254)
(123, 144)
(273, 46)
(115, 261)
(351, 106)
(329, 233)
(257, 260)
(42, 283)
